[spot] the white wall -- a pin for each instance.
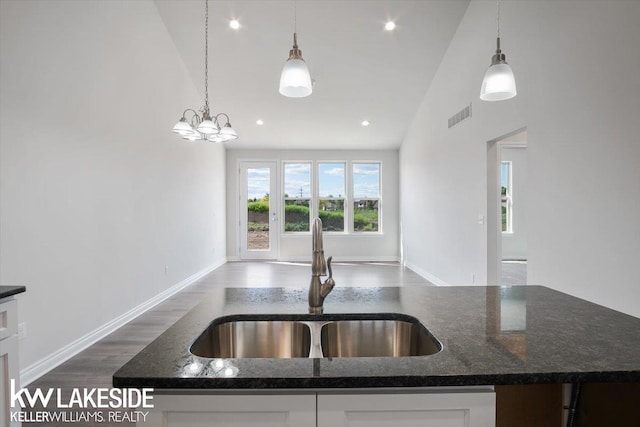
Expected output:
(348, 247)
(97, 194)
(514, 244)
(583, 148)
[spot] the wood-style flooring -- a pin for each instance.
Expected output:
(95, 366)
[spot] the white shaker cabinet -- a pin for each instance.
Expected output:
(9, 363)
(246, 410)
(402, 409)
(435, 407)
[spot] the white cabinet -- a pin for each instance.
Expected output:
(402, 409)
(233, 411)
(9, 364)
(434, 407)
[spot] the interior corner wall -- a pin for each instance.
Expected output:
(583, 150)
(102, 207)
(343, 247)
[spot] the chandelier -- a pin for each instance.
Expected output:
(205, 127)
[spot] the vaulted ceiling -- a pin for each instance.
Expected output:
(361, 71)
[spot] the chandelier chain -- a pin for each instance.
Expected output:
(206, 57)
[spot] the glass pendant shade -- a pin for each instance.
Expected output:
(208, 127)
(182, 127)
(499, 83)
(295, 81)
(194, 136)
(228, 133)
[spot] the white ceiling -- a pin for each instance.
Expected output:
(361, 72)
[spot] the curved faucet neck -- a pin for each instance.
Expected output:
(318, 264)
(318, 290)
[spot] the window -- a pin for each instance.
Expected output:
(506, 198)
(345, 195)
(297, 196)
(366, 197)
(331, 195)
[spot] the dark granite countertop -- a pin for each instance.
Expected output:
(7, 291)
(491, 335)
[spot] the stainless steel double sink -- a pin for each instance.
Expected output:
(367, 335)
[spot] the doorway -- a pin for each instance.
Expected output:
(259, 234)
(506, 209)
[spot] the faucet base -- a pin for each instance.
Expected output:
(316, 310)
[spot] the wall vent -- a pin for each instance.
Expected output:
(460, 116)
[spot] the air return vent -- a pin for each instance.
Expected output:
(460, 116)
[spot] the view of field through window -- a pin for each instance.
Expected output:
(329, 202)
(366, 196)
(505, 197)
(297, 196)
(331, 194)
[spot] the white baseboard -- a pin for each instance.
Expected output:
(430, 277)
(338, 259)
(46, 364)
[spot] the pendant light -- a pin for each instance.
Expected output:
(295, 80)
(499, 83)
(205, 127)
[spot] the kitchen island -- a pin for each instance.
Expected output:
(490, 336)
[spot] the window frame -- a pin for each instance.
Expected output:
(349, 199)
(354, 198)
(345, 197)
(285, 199)
(508, 198)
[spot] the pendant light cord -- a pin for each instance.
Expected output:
(498, 18)
(206, 57)
(295, 16)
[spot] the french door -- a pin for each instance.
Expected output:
(259, 227)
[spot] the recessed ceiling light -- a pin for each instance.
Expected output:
(390, 26)
(259, 122)
(234, 24)
(365, 123)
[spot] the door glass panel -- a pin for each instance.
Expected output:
(258, 184)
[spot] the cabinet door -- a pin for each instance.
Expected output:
(233, 411)
(9, 370)
(473, 409)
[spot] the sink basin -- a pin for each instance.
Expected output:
(254, 339)
(315, 336)
(377, 338)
